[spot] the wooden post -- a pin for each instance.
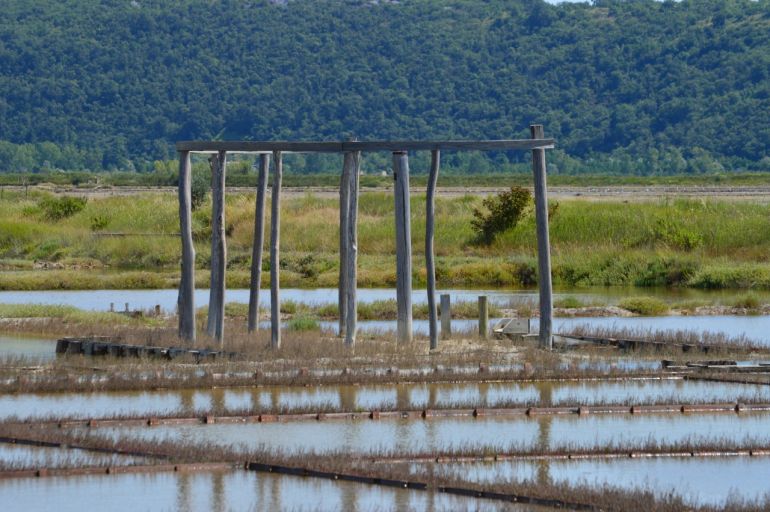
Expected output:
(353, 162)
(216, 320)
(403, 246)
(430, 263)
(259, 241)
(275, 243)
(543, 242)
(483, 317)
(446, 316)
(186, 303)
(344, 241)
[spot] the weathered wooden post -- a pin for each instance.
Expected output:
(216, 320)
(403, 246)
(446, 316)
(259, 240)
(430, 263)
(543, 242)
(352, 164)
(186, 304)
(344, 244)
(483, 317)
(275, 243)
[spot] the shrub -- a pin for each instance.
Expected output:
(57, 208)
(200, 185)
(303, 323)
(646, 306)
(748, 301)
(99, 222)
(500, 213)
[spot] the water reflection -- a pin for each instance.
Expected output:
(235, 490)
(699, 481)
(499, 434)
(370, 397)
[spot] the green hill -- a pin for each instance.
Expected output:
(624, 86)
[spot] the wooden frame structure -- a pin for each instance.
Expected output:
(349, 190)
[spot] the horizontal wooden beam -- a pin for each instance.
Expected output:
(247, 146)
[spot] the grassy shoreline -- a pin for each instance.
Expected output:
(122, 242)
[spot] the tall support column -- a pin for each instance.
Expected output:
(352, 167)
(186, 304)
(543, 242)
(275, 244)
(344, 240)
(403, 247)
(216, 320)
(430, 263)
(259, 240)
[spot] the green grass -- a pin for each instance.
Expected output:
(683, 242)
(645, 306)
(68, 314)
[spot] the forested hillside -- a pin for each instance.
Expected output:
(624, 86)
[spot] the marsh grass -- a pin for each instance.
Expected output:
(682, 242)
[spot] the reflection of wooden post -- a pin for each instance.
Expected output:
(483, 316)
(403, 247)
(430, 263)
(543, 242)
(275, 243)
(344, 243)
(216, 318)
(259, 240)
(352, 164)
(186, 305)
(446, 316)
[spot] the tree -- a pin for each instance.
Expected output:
(499, 214)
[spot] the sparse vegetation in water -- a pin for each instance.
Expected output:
(303, 323)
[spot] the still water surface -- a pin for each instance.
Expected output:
(370, 397)
(220, 491)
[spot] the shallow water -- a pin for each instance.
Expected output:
(99, 300)
(32, 349)
(436, 435)
(233, 490)
(34, 457)
(756, 328)
(699, 481)
(370, 397)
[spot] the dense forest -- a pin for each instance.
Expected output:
(638, 86)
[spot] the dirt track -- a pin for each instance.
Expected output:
(623, 192)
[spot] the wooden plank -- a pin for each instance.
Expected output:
(344, 246)
(430, 261)
(353, 161)
(543, 242)
(186, 301)
(483, 317)
(342, 147)
(403, 247)
(275, 243)
(215, 324)
(259, 241)
(446, 316)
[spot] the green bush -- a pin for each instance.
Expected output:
(57, 208)
(500, 213)
(748, 301)
(646, 306)
(303, 323)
